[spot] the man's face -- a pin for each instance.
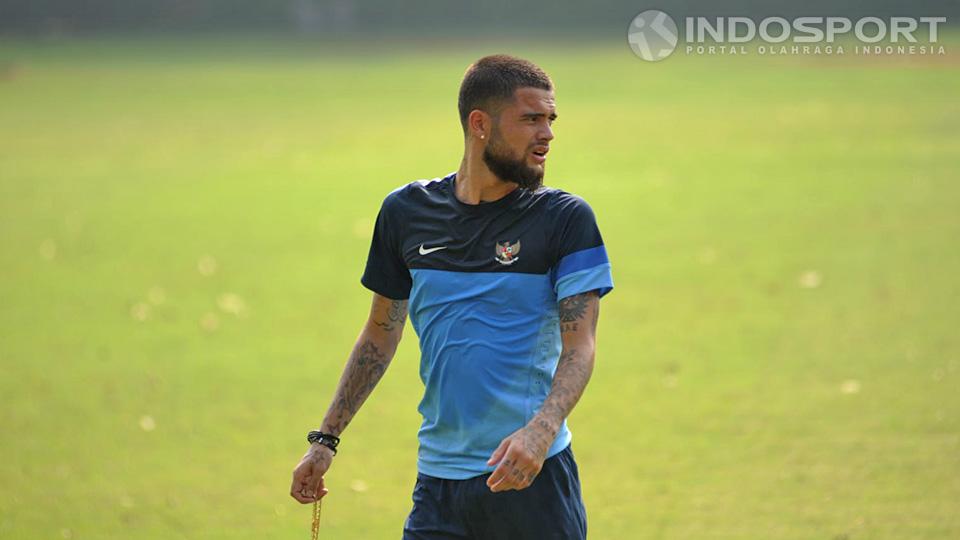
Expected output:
(520, 138)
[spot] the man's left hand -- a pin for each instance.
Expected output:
(521, 456)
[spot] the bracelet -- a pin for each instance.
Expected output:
(326, 439)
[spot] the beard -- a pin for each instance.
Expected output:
(509, 168)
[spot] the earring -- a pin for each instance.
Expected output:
(482, 136)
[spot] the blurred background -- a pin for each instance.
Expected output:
(187, 193)
(409, 19)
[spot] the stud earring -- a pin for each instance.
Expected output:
(482, 136)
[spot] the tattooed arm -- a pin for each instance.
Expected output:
(367, 362)
(521, 455)
(578, 330)
(370, 357)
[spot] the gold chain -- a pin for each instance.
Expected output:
(315, 529)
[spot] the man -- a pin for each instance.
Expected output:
(502, 279)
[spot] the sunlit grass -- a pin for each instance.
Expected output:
(184, 225)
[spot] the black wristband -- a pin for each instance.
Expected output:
(326, 439)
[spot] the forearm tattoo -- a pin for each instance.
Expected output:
(396, 316)
(574, 366)
(364, 369)
(573, 372)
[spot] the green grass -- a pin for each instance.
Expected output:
(717, 407)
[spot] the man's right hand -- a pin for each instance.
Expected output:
(307, 485)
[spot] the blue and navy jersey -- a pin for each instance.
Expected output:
(483, 282)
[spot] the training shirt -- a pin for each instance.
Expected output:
(483, 282)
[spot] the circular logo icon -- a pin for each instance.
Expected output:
(652, 35)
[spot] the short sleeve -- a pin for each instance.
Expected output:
(582, 263)
(386, 272)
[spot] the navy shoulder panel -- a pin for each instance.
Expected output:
(422, 225)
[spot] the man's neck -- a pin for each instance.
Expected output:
(475, 182)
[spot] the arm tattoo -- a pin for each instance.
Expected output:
(572, 310)
(396, 316)
(573, 372)
(575, 365)
(364, 370)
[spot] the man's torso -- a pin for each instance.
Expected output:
(483, 301)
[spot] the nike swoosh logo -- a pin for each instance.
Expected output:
(427, 251)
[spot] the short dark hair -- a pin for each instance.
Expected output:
(493, 79)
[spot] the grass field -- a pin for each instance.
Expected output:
(184, 224)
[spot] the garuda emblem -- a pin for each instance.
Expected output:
(508, 253)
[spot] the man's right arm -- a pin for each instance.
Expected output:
(371, 355)
(368, 361)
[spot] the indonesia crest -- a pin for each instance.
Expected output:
(508, 253)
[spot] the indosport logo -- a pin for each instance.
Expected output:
(653, 36)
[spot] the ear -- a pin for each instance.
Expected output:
(479, 124)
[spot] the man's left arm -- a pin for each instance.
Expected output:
(521, 455)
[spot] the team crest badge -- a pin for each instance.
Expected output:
(508, 253)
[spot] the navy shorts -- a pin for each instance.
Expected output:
(550, 508)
